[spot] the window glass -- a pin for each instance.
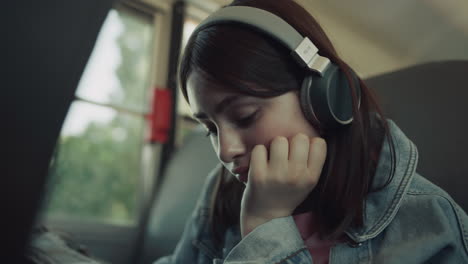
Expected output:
(184, 122)
(118, 68)
(96, 170)
(189, 27)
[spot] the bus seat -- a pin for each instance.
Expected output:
(429, 103)
(184, 177)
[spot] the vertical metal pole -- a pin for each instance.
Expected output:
(177, 24)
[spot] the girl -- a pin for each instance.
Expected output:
(311, 172)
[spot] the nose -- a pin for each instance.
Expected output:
(230, 145)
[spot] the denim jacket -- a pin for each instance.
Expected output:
(409, 221)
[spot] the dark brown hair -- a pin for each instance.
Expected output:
(251, 62)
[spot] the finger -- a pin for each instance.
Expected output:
(317, 155)
(258, 163)
(299, 149)
(279, 151)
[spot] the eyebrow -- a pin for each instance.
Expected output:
(226, 102)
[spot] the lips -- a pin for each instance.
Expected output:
(240, 170)
(241, 173)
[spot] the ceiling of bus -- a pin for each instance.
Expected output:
(382, 36)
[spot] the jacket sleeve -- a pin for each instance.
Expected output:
(441, 223)
(456, 243)
(276, 241)
(429, 228)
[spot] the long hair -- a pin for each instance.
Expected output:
(253, 63)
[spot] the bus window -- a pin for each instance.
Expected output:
(96, 170)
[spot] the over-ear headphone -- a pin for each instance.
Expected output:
(325, 94)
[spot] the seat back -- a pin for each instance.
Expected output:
(429, 103)
(184, 177)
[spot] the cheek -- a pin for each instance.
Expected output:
(266, 130)
(269, 128)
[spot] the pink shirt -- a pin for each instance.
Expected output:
(319, 249)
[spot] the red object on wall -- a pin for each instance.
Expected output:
(160, 116)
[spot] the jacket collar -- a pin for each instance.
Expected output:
(381, 206)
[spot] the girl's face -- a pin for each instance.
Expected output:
(237, 122)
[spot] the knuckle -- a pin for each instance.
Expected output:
(281, 172)
(298, 169)
(258, 149)
(280, 140)
(300, 138)
(311, 178)
(319, 143)
(257, 175)
(289, 181)
(256, 171)
(256, 181)
(303, 171)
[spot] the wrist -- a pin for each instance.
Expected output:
(249, 222)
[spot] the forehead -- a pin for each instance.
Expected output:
(203, 93)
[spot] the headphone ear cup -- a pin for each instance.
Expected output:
(328, 98)
(304, 99)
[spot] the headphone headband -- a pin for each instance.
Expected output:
(325, 94)
(302, 49)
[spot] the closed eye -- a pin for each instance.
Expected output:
(247, 121)
(240, 123)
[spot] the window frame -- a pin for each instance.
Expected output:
(115, 242)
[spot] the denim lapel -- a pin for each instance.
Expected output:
(382, 206)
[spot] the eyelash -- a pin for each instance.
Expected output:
(241, 123)
(246, 121)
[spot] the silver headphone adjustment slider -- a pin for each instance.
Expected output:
(307, 54)
(319, 64)
(305, 51)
